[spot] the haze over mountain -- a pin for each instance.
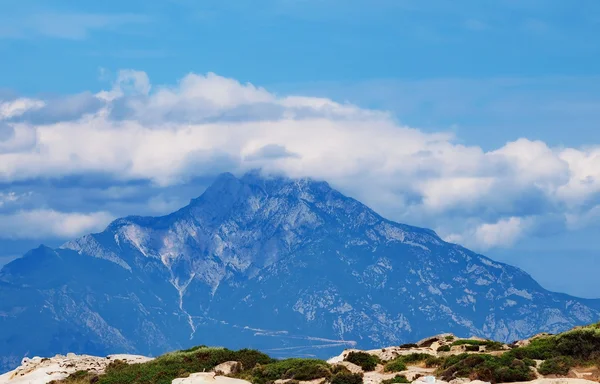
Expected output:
(290, 266)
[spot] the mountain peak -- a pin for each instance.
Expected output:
(260, 260)
(228, 189)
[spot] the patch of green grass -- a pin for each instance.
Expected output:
(397, 379)
(364, 360)
(444, 348)
(449, 338)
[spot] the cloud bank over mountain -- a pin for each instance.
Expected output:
(136, 142)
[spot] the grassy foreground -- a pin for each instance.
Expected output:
(577, 347)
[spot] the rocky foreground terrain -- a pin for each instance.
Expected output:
(572, 357)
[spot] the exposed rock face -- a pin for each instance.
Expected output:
(292, 267)
(43, 370)
(228, 368)
(208, 378)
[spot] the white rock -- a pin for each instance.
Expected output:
(42, 371)
(228, 368)
(460, 380)
(208, 378)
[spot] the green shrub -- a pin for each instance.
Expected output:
(164, 369)
(449, 338)
(397, 379)
(539, 349)
(295, 369)
(79, 377)
(556, 366)
(472, 348)
(338, 368)
(469, 342)
(413, 358)
(529, 362)
(484, 367)
(396, 365)
(400, 362)
(489, 344)
(347, 378)
(433, 361)
(581, 343)
(444, 348)
(364, 360)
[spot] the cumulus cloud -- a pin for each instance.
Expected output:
(47, 223)
(169, 135)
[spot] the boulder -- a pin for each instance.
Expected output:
(228, 368)
(351, 366)
(208, 378)
(460, 380)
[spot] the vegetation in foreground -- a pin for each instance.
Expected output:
(560, 353)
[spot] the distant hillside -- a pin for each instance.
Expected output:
(290, 267)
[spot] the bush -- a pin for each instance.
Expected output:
(79, 377)
(433, 361)
(444, 348)
(400, 362)
(414, 358)
(338, 368)
(539, 349)
(556, 366)
(396, 365)
(347, 378)
(364, 360)
(489, 344)
(472, 348)
(164, 369)
(397, 379)
(295, 369)
(581, 343)
(529, 362)
(449, 338)
(486, 368)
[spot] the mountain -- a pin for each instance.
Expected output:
(292, 267)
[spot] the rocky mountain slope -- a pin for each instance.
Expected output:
(292, 267)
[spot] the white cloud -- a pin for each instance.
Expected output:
(43, 223)
(503, 233)
(208, 124)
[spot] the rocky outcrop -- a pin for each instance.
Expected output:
(228, 368)
(208, 378)
(44, 370)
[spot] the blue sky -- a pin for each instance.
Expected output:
(482, 117)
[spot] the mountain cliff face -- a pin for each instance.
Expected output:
(292, 267)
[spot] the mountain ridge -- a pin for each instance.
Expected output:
(274, 263)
